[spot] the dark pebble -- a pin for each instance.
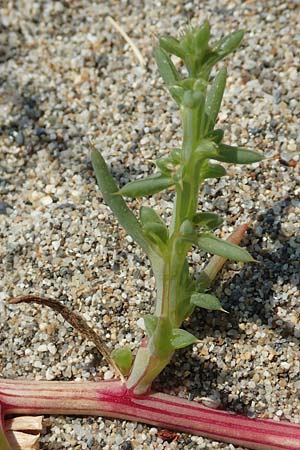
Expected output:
(67, 205)
(116, 267)
(127, 445)
(20, 138)
(3, 207)
(254, 131)
(134, 147)
(40, 132)
(32, 113)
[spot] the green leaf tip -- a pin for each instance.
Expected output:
(207, 220)
(209, 170)
(181, 338)
(218, 246)
(116, 203)
(214, 98)
(166, 67)
(146, 186)
(207, 301)
(230, 42)
(123, 358)
(237, 155)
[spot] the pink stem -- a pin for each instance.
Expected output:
(113, 399)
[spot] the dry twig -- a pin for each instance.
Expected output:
(135, 50)
(76, 321)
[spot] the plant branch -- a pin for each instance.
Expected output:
(77, 322)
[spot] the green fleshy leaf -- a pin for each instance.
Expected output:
(195, 45)
(171, 45)
(206, 149)
(193, 99)
(161, 338)
(116, 203)
(214, 98)
(209, 170)
(217, 246)
(168, 164)
(123, 358)
(146, 186)
(187, 229)
(207, 219)
(150, 323)
(202, 35)
(177, 93)
(216, 135)
(236, 155)
(166, 67)
(157, 231)
(229, 43)
(181, 338)
(148, 215)
(206, 301)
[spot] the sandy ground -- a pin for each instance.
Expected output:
(66, 77)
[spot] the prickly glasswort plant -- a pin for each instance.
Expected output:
(178, 294)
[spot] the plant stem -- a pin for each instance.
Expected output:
(147, 364)
(112, 399)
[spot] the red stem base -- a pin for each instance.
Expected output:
(113, 399)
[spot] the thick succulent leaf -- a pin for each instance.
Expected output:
(217, 246)
(146, 186)
(216, 135)
(148, 215)
(236, 155)
(166, 165)
(177, 93)
(157, 230)
(171, 45)
(123, 358)
(193, 99)
(207, 219)
(209, 170)
(187, 229)
(206, 301)
(150, 324)
(161, 338)
(181, 338)
(229, 43)
(214, 98)
(207, 148)
(202, 35)
(166, 67)
(117, 204)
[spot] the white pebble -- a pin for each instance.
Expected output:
(42, 348)
(38, 364)
(45, 201)
(285, 365)
(141, 323)
(49, 374)
(108, 375)
(52, 349)
(56, 245)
